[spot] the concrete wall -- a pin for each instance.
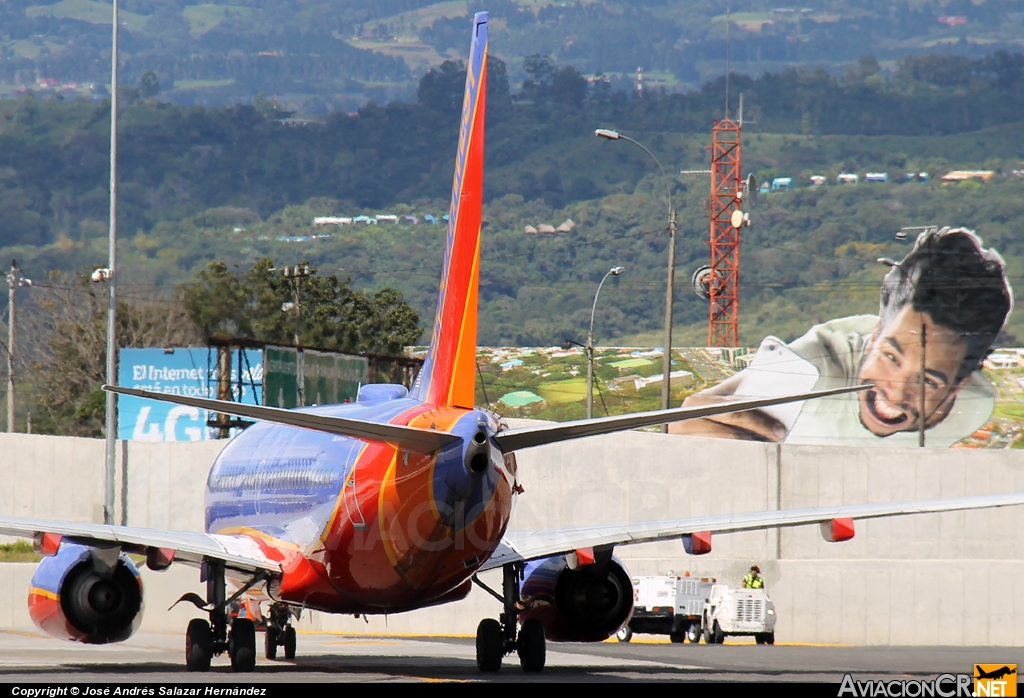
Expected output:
(952, 578)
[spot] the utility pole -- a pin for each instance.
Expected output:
(14, 279)
(111, 278)
(296, 274)
(666, 362)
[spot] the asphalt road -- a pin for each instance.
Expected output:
(33, 657)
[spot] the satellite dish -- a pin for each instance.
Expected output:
(701, 282)
(750, 186)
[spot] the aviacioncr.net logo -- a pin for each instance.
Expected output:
(943, 686)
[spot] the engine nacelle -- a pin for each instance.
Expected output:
(582, 603)
(76, 595)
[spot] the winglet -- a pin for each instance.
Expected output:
(448, 374)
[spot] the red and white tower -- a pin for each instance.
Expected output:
(726, 196)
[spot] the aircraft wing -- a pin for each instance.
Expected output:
(411, 438)
(518, 546)
(528, 437)
(239, 553)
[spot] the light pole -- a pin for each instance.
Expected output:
(589, 346)
(896, 265)
(111, 415)
(14, 279)
(666, 387)
(614, 271)
(295, 275)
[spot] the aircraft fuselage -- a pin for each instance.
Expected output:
(367, 527)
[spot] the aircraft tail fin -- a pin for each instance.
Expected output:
(448, 376)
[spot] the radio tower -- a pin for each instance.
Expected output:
(726, 221)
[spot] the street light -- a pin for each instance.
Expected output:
(15, 279)
(666, 388)
(901, 235)
(589, 347)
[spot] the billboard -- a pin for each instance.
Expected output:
(920, 358)
(329, 378)
(191, 372)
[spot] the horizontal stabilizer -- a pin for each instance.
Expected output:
(410, 438)
(528, 437)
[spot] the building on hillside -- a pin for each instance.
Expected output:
(964, 175)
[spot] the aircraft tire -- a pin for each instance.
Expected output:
(198, 645)
(531, 646)
(490, 645)
(242, 645)
(289, 642)
(270, 643)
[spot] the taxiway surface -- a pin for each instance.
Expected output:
(27, 656)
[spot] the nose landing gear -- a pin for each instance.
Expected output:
(497, 638)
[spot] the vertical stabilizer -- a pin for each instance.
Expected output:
(449, 372)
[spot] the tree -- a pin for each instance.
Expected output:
(442, 88)
(69, 341)
(149, 85)
(259, 304)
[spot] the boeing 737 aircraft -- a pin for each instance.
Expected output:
(392, 503)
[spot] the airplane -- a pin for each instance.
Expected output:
(394, 502)
(995, 674)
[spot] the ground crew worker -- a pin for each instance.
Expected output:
(754, 579)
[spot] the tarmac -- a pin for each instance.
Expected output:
(32, 657)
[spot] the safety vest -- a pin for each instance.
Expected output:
(752, 581)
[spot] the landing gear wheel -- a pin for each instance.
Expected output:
(289, 642)
(270, 643)
(531, 645)
(198, 645)
(625, 634)
(490, 645)
(719, 635)
(693, 633)
(242, 645)
(676, 638)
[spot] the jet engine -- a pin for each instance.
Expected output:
(86, 595)
(577, 598)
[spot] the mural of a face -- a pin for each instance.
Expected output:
(892, 366)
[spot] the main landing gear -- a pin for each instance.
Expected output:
(280, 632)
(496, 638)
(204, 639)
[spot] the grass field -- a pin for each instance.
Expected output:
(19, 551)
(87, 11)
(199, 84)
(560, 392)
(203, 18)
